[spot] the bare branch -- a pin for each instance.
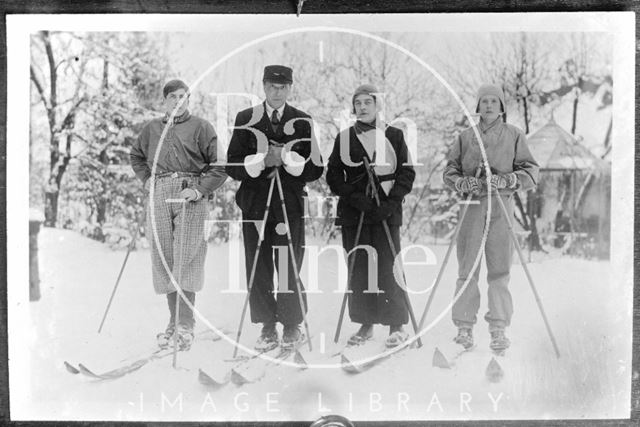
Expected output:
(53, 75)
(39, 87)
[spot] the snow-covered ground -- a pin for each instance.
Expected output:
(588, 314)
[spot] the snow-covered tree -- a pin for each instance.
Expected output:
(114, 90)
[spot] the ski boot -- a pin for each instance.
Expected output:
(364, 334)
(499, 342)
(185, 337)
(464, 338)
(268, 339)
(291, 336)
(164, 338)
(397, 336)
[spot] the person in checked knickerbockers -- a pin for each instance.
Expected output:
(512, 168)
(383, 146)
(273, 142)
(186, 171)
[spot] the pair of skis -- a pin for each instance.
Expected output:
(120, 371)
(129, 367)
(493, 372)
(356, 359)
(253, 368)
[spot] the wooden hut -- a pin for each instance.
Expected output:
(572, 202)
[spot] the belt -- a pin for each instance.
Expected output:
(386, 177)
(176, 174)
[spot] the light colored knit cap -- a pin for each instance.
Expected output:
(490, 89)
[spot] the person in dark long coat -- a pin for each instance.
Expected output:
(274, 135)
(387, 151)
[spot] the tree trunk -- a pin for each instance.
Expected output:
(532, 207)
(52, 190)
(607, 137)
(101, 210)
(574, 119)
(50, 207)
(526, 115)
(58, 168)
(529, 220)
(523, 214)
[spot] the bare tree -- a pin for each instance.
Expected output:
(61, 113)
(94, 89)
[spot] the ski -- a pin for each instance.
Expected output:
(355, 359)
(122, 370)
(254, 367)
(209, 378)
(441, 361)
(156, 354)
(494, 371)
(71, 369)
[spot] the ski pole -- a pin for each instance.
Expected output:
(352, 262)
(254, 265)
(134, 236)
(527, 273)
(176, 312)
(447, 254)
(392, 247)
(293, 258)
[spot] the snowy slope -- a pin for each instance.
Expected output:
(587, 313)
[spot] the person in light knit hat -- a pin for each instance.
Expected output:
(385, 148)
(513, 168)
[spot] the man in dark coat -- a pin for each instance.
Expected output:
(268, 137)
(385, 148)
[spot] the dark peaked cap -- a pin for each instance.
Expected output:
(278, 74)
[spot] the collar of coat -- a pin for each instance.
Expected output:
(177, 119)
(284, 115)
(264, 123)
(485, 127)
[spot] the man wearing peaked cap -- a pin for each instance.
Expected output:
(259, 146)
(278, 74)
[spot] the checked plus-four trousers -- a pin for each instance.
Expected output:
(179, 240)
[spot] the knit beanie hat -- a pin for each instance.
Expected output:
(490, 89)
(366, 89)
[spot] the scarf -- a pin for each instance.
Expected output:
(362, 127)
(371, 135)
